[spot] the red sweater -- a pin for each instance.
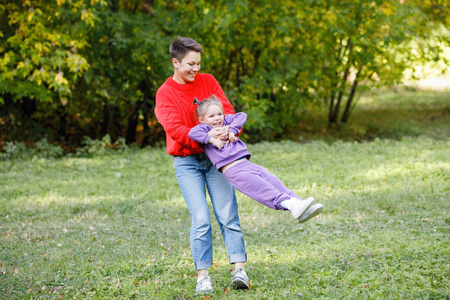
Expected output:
(176, 113)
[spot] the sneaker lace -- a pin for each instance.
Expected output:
(204, 280)
(239, 272)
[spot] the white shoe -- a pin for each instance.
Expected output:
(204, 284)
(240, 279)
(313, 211)
(300, 206)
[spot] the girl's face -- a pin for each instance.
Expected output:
(189, 66)
(213, 116)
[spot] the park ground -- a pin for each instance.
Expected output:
(115, 226)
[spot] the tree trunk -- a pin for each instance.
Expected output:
(335, 107)
(28, 106)
(146, 129)
(331, 109)
(105, 119)
(348, 106)
(130, 136)
(62, 124)
(116, 130)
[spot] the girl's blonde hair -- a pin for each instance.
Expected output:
(201, 108)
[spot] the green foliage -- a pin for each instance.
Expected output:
(46, 150)
(101, 147)
(79, 68)
(17, 150)
(40, 42)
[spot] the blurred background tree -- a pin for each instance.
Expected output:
(74, 68)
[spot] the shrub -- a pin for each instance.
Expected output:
(101, 147)
(17, 150)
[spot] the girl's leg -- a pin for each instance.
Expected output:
(191, 179)
(275, 181)
(303, 210)
(259, 184)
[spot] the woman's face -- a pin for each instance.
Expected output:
(189, 66)
(213, 116)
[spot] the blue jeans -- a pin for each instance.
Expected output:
(193, 172)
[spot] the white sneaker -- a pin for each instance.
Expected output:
(240, 279)
(204, 284)
(313, 211)
(300, 206)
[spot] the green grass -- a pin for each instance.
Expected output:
(116, 226)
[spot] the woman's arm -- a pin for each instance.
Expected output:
(171, 120)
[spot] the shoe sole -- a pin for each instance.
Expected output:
(310, 213)
(239, 285)
(204, 292)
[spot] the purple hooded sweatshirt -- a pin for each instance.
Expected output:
(229, 153)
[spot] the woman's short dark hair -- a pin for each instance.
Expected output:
(180, 46)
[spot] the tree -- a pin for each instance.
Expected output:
(363, 44)
(40, 43)
(71, 68)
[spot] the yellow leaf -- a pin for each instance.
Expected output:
(59, 78)
(387, 11)
(30, 16)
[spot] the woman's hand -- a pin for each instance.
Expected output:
(216, 142)
(220, 133)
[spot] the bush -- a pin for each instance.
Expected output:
(17, 150)
(45, 150)
(101, 147)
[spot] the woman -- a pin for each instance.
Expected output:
(194, 170)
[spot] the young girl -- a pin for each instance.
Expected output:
(232, 158)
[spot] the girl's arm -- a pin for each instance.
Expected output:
(200, 134)
(235, 122)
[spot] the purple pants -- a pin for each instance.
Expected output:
(259, 184)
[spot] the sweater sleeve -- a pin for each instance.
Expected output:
(200, 134)
(171, 120)
(236, 122)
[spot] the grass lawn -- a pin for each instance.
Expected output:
(116, 226)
